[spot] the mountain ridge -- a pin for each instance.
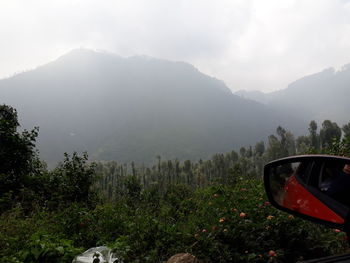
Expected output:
(135, 108)
(319, 96)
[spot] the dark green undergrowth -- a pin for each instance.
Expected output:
(216, 209)
(219, 223)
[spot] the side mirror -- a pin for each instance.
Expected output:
(314, 187)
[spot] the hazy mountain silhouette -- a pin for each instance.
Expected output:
(255, 95)
(134, 109)
(324, 95)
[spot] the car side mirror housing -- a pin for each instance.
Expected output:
(314, 187)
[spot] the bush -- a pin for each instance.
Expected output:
(217, 224)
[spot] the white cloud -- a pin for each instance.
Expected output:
(250, 44)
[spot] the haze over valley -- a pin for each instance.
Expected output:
(136, 108)
(139, 131)
(131, 80)
(320, 96)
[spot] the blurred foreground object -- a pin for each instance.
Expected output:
(183, 258)
(97, 255)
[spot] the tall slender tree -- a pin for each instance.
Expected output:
(314, 137)
(330, 131)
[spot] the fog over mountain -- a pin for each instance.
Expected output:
(324, 95)
(135, 108)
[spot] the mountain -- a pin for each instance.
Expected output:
(135, 108)
(324, 95)
(254, 95)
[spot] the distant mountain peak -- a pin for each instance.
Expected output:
(84, 54)
(133, 108)
(254, 95)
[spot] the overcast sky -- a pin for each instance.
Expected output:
(249, 44)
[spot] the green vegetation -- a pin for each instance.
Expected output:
(221, 223)
(222, 168)
(215, 209)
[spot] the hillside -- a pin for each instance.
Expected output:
(135, 109)
(324, 95)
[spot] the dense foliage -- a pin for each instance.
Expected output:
(215, 209)
(24, 180)
(221, 223)
(223, 168)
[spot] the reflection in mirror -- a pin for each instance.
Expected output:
(283, 177)
(334, 181)
(297, 186)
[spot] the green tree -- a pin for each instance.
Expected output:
(259, 148)
(346, 130)
(249, 153)
(17, 150)
(133, 188)
(303, 144)
(18, 158)
(330, 131)
(286, 141)
(72, 180)
(314, 137)
(243, 151)
(289, 146)
(274, 148)
(233, 156)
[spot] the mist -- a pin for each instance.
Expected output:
(250, 45)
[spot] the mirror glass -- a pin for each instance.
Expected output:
(318, 188)
(334, 181)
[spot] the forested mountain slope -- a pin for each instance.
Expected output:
(135, 109)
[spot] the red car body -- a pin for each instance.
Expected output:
(298, 199)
